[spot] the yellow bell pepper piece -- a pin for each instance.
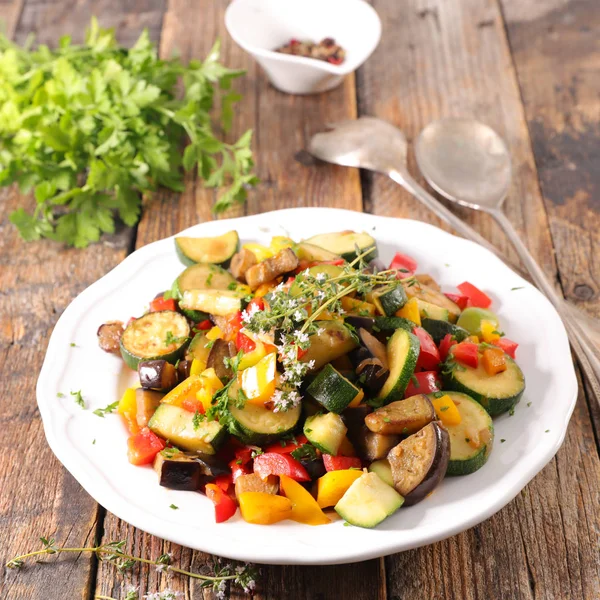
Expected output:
(258, 382)
(252, 358)
(197, 366)
(304, 507)
(186, 390)
(214, 333)
(280, 242)
(127, 408)
(211, 380)
(489, 332)
(333, 485)
(260, 252)
(410, 311)
(446, 410)
(473, 339)
(264, 289)
(261, 508)
(204, 396)
(352, 305)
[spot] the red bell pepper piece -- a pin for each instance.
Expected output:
(193, 405)
(425, 382)
(244, 454)
(204, 325)
(458, 299)
(476, 297)
(429, 355)
(337, 262)
(225, 507)
(244, 343)
(238, 468)
(143, 447)
(271, 463)
(235, 322)
(466, 353)
(405, 265)
(445, 344)
(508, 346)
(224, 482)
(161, 304)
(341, 463)
(287, 447)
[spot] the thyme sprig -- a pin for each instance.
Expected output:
(115, 554)
(294, 312)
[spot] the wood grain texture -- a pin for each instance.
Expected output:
(557, 58)
(452, 58)
(283, 125)
(38, 497)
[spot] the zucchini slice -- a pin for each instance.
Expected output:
(177, 426)
(439, 329)
(199, 348)
(383, 469)
(393, 323)
(472, 439)
(403, 351)
(347, 244)
(496, 393)
(157, 335)
(326, 432)
(431, 311)
(334, 341)
(216, 250)
(214, 302)
(331, 389)
(255, 424)
(368, 501)
(390, 300)
(310, 252)
(431, 296)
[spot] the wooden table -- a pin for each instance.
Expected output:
(529, 69)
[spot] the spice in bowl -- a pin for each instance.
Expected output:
(326, 50)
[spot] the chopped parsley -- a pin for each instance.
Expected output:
(197, 419)
(208, 281)
(174, 507)
(517, 288)
(256, 452)
(171, 339)
(60, 395)
(502, 441)
(102, 412)
(232, 286)
(305, 452)
(444, 408)
(78, 398)
(386, 419)
(415, 381)
(73, 345)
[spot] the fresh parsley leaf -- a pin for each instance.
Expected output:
(102, 412)
(232, 286)
(92, 128)
(171, 339)
(444, 408)
(305, 452)
(197, 419)
(78, 398)
(73, 345)
(174, 507)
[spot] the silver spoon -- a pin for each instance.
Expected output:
(468, 162)
(374, 144)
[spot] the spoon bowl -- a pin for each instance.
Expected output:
(466, 161)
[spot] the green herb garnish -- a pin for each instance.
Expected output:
(78, 398)
(101, 412)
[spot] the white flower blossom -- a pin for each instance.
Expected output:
(321, 277)
(310, 365)
(298, 316)
(221, 590)
(240, 569)
(320, 331)
(301, 337)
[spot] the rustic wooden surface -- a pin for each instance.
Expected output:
(531, 70)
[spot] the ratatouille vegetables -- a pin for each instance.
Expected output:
(295, 378)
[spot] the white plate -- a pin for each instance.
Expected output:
(533, 434)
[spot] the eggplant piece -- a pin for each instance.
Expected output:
(402, 417)
(374, 446)
(187, 471)
(419, 462)
(183, 369)
(315, 468)
(147, 402)
(157, 375)
(354, 420)
(253, 483)
(221, 350)
(240, 262)
(271, 268)
(178, 471)
(361, 322)
(428, 280)
(370, 362)
(109, 336)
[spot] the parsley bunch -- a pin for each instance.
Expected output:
(92, 128)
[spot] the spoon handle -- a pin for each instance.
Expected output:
(579, 340)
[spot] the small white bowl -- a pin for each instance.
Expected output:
(260, 26)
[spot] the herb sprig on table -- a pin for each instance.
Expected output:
(91, 128)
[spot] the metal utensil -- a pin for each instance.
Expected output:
(376, 145)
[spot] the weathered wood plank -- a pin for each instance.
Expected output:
(39, 497)
(10, 12)
(283, 124)
(452, 58)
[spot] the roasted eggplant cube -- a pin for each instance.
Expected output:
(315, 468)
(183, 369)
(419, 462)
(179, 472)
(374, 446)
(157, 375)
(221, 350)
(402, 417)
(147, 402)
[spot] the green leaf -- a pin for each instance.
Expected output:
(189, 157)
(29, 227)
